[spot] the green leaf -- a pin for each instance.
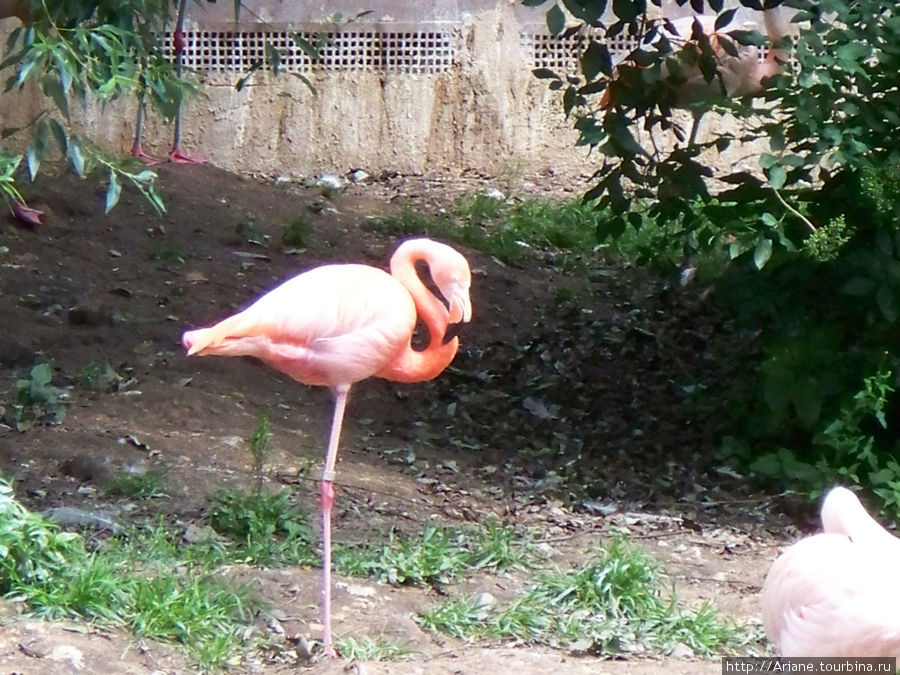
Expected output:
(32, 161)
(777, 176)
(556, 20)
(545, 74)
(595, 60)
(724, 19)
(589, 11)
(41, 374)
(53, 88)
(767, 161)
(309, 85)
(76, 156)
(113, 190)
(762, 253)
(306, 46)
(628, 10)
(59, 134)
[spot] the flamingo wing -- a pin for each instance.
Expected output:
(827, 596)
(332, 325)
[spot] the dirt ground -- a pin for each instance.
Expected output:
(87, 288)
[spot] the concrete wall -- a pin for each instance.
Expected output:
(484, 113)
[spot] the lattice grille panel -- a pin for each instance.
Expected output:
(421, 52)
(561, 52)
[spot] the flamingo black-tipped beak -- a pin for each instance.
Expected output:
(453, 330)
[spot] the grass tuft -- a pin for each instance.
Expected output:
(512, 232)
(370, 649)
(267, 528)
(440, 556)
(136, 485)
(612, 605)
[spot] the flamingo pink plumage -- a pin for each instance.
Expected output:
(740, 72)
(339, 324)
(836, 594)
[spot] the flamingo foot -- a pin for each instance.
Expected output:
(26, 216)
(176, 156)
(138, 151)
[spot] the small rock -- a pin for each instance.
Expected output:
(495, 194)
(67, 653)
(194, 534)
(681, 651)
(581, 647)
(69, 516)
(330, 181)
(485, 600)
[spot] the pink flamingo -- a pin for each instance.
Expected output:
(339, 324)
(739, 74)
(836, 594)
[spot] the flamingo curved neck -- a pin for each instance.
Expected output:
(411, 365)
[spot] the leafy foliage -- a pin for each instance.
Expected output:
(32, 550)
(849, 450)
(811, 237)
(138, 582)
(103, 49)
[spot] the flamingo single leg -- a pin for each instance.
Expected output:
(327, 488)
(176, 155)
(137, 149)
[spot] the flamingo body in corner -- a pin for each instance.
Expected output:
(836, 594)
(339, 324)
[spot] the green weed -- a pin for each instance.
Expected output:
(296, 232)
(847, 448)
(136, 486)
(148, 580)
(514, 232)
(166, 251)
(92, 586)
(441, 555)
(369, 649)
(249, 232)
(259, 449)
(99, 376)
(197, 610)
(36, 400)
(614, 604)
(266, 528)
